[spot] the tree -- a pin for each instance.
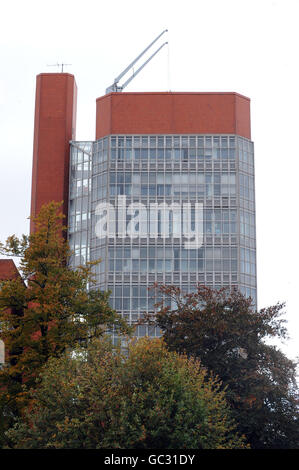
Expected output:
(48, 309)
(222, 328)
(145, 398)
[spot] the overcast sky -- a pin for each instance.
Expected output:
(245, 46)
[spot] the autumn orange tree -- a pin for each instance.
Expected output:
(146, 398)
(223, 329)
(48, 309)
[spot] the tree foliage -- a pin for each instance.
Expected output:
(222, 328)
(146, 398)
(48, 309)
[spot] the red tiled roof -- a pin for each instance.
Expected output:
(8, 270)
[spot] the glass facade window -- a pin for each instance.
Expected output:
(79, 202)
(2, 353)
(129, 171)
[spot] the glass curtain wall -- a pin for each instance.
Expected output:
(216, 171)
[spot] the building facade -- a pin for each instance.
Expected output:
(164, 194)
(8, 271)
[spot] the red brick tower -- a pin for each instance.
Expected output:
(54, 127)
(173, 113)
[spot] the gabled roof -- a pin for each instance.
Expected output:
(8, 270)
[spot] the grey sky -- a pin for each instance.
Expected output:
(246, 46)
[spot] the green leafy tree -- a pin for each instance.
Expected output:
(48, 309)
(231, 339)
(145, 398)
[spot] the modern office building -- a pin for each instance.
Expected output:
(165, 192)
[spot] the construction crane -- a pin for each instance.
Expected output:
(115, 87)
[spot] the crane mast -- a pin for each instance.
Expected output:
(115, 87)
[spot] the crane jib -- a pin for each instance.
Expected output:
(114, 87)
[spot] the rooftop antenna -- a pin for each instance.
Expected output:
(114, 87)
(58, 65)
